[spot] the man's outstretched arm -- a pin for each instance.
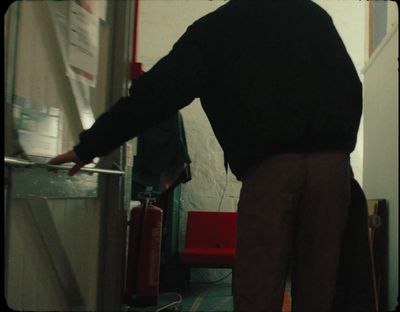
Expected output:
(170, 85)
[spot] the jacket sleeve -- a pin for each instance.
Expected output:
(170, 85)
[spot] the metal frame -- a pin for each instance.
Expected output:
(11, 44)
(112, 256)
(11, 50)
(16, 162)
(115, 185)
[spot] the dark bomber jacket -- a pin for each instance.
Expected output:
(272, 76)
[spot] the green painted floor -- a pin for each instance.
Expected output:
(208, 298)
(217, 298)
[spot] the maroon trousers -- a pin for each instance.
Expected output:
(291, 215)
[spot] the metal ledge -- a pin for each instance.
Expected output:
(16, 162)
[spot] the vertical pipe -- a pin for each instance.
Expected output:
(370, 29)
(136, 68)
(135, 29)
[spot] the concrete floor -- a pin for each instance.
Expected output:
(216, 298)
(208, 298)
(200, 297)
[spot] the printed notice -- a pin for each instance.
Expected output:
(100, 9)
(39, 127)
(83, 48)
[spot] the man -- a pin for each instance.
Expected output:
(284, 101)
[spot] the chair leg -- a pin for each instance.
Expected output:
(187, 277)
(232, 285)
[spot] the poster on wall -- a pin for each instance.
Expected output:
(100, 9)
(39, 127)
(83, 42)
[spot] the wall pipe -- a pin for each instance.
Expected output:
(136, 67)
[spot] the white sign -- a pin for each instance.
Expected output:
(39, 127)
(83, 48)
(100, 9)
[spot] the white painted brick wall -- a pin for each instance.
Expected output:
(161, 23)
(349, 18)
(208, 177)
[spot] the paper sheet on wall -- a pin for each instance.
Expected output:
(39, 127)
(100, 9)
(83, 43)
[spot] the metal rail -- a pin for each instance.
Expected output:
(15, 162)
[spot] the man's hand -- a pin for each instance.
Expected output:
(66, 158)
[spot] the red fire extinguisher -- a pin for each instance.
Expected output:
(144, 251)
